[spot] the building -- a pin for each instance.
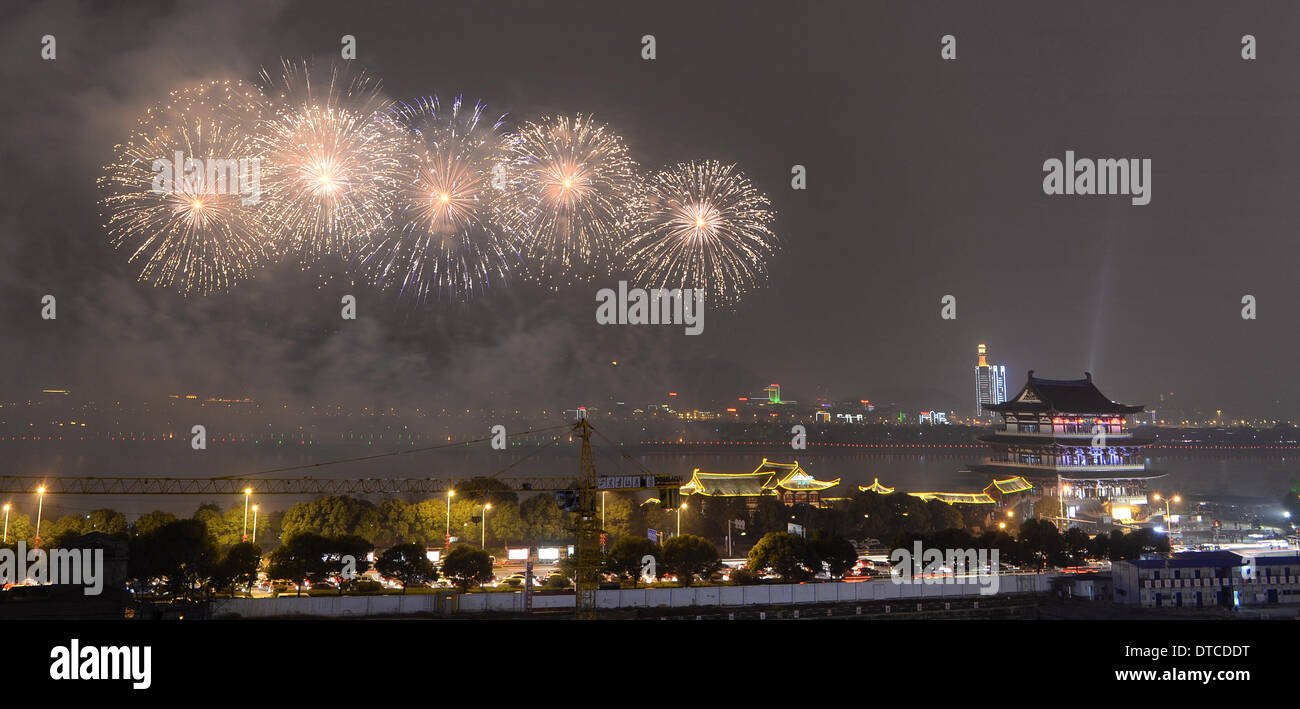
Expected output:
(877, 488)
(990, 383)
(787, 481)
(1067, 438)
(1210, 579)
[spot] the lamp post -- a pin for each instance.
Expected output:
(679, 518)
(1168, 525)
(247, 491)
(6, 537)
(40, 504)
(450, 494)
(483, 541)
(254, 524)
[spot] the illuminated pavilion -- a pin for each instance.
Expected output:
(1070, 440)
(788, 481)
(995, 493)
(877, 488)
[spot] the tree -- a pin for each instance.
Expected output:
(332, 516)
(689, 556)
(480, 490)
(781, 553)
(624, 558)
(1040, 543)
(239, 567)
(467, 566)
(302, 556)
(407, 563)
(398, 524)
(345, 558)
(1074, 546)
(837, 552)
(148, 522)
(181, 555)
(108, 521)
(67, 527)
(617, 511)
(20, 529)
(543, 520)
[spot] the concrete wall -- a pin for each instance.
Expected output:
(773, 594)
(329, 606)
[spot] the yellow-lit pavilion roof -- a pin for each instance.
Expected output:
(765, 480)
(877, 488)
(1010, 485)
(730, 484)
(956, 498)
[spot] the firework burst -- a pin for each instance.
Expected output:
(444, 240)
(179, 193)
(701, 225)
(333, 160)
(567, 196)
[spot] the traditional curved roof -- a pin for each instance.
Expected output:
(1010, 485)
(730, 484)
(1064, 396)
(798, 480)
(877, 488)
(765, 480)
(956, 498)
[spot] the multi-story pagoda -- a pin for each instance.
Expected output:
(1067, 437)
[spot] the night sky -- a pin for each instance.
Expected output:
(924, 179)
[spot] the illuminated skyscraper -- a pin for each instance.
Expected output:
(990, 382)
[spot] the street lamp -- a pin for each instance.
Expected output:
(483, 542)
(679, 518)
(247, 491)
(6, 537)
(40, 504)
(254, 524)
(1169, 525)
(450, 494)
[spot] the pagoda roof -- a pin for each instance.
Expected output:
(877, 488)
(792, 476)
(730, 484)
(1010, 485)
(765, 480)
(956, 498)
(1064, 396)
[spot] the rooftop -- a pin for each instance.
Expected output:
(1061, 396)
(1191, 559)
